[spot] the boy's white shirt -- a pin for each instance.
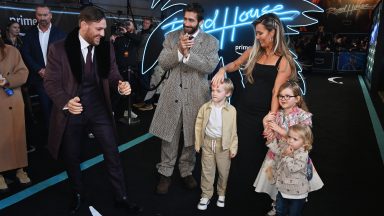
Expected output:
(215, 122)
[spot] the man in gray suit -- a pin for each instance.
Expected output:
(190, 55)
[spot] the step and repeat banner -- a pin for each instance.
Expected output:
(230, 22)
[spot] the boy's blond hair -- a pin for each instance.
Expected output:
(228, 86)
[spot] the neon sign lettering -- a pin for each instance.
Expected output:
(226, 23)
(240, 19)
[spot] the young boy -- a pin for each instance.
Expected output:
(216, 134)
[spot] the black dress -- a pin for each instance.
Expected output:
(253, 104)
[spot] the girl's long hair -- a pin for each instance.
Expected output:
(271, 22)
(7, 34)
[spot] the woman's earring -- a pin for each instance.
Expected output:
(271, 39)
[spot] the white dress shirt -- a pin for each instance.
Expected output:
(84, 48)
(43, 39)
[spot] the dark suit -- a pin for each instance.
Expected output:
(65, 79)
(33, 58)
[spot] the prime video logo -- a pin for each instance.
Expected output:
(239, 49)
(24, 21)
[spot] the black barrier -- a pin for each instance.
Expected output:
(324, 62)
(351, 62)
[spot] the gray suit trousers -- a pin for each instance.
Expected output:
(169, 151)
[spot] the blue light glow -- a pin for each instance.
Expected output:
(234, 17)
(211, 25)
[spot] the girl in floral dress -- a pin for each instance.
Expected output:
(293, 110)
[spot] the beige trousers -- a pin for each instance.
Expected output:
(213, 155)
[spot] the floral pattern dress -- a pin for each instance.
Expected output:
(264, 182)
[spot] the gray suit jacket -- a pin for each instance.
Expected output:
(187, 87)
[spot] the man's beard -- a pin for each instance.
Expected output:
(43, 23)
(191, 30)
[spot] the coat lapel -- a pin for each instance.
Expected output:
(198, 41)
(73, 51)
(103, 59)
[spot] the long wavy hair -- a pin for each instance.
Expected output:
(271, 22)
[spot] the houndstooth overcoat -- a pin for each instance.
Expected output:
(187, 87)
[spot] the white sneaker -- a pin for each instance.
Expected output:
(203, 204)
(133, 115)
(272, 212)
(91, 136)
(221, 201)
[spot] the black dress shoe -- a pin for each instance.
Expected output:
(77, 201)
(131, 208)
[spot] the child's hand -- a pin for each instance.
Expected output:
(288, 151)
(268, 134)
(275, 127)
(231, 154)
(197, 149)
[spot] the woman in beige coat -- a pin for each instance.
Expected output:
(13, 150)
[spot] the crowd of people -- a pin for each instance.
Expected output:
(82, 81)
(307, 44)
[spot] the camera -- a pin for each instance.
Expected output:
(116, 28)
(8, 91)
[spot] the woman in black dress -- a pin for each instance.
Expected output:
(268, 64)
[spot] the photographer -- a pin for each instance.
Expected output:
(126, 46)
(145, 79)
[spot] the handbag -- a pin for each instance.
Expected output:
(309, 169)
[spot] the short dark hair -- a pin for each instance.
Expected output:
(91, 14)
(43, 6)
(148, 18)
(196, 8)
(126, 23)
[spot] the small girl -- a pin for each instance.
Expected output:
(291, 170)
(293, 110)
(216, 135)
